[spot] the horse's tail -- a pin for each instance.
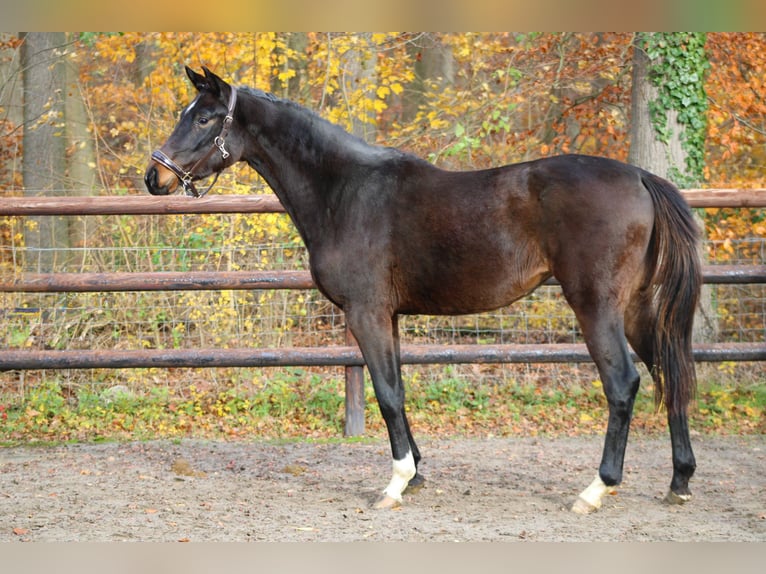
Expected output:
(677, 280)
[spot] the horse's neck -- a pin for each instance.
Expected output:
(300, 157)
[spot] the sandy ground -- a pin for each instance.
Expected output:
(515, 489)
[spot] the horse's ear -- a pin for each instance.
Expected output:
(197, 79)
(207, 83)
(215, 83)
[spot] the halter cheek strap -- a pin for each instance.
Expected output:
(219, 143)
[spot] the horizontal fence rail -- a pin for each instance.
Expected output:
(349, 355)
(179, 204)
(158, 281)
(244, 280)
(140, 205)
(337, 355)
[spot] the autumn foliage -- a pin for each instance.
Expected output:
(460, 100)
(496, 98)
(493, 99)
(463, 101)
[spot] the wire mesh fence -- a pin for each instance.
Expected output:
(270, 318)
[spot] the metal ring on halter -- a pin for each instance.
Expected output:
(219, 143)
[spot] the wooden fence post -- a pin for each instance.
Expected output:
(354, 394)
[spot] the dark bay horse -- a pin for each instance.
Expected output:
(388, 233)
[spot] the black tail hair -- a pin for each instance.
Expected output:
(677, 280)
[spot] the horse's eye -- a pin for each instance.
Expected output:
(203, 120)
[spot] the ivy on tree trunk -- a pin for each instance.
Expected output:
(678, 67)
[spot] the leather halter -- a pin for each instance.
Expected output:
(219, 143)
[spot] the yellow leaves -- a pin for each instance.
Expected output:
(116, 48)
(379, 39)
(465, 46)
(383, 92)
(435, 122)
(286, 75)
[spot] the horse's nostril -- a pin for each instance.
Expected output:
(152, 181)
(150, 178)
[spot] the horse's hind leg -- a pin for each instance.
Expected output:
(604, 334)
(684, 464)
(639, 328)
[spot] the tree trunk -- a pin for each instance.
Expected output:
(44, 161)
(10, 112)
(297, 87)
(359, 68)
(646, 148)
(434, 64)
(81, 157)
(664, 158)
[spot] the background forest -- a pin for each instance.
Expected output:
(80, 114)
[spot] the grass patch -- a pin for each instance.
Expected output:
(299, 404)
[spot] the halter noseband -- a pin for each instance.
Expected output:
(219, 143)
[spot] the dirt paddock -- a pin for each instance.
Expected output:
(498, 489)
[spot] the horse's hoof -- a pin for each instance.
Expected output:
(674, 498)
(415, 484)
(386, 502)
(590, 498)
(582, 506)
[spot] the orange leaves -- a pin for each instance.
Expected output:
(517, 96)
(725, 228)
(737, 115)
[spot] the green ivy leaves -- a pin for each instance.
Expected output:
(678, 69)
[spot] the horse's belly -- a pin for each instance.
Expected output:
(460, 293)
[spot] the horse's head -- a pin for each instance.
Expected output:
(198, 146)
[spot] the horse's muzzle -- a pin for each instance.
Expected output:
(152, 181)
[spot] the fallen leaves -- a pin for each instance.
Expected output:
(294, 469)
(183, 467)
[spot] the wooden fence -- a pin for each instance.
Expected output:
(347, 355)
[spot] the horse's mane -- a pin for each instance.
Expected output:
(331, 130)
(256, 93)
(298, 108)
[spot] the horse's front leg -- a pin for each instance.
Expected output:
(378, 338)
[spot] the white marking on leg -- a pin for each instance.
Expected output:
(590, 498)
(403, 471)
